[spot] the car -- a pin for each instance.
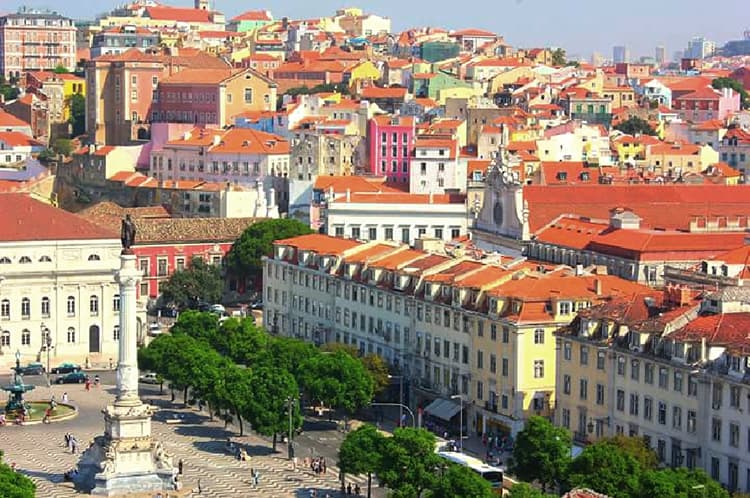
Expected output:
(31, 369)
(77, 377)
(256, 305)
(218, 309)
(154, 329)
(64, 368)
(149, 378)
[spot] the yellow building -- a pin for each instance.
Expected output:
(680, 158)
(59, 89)
(362, 74)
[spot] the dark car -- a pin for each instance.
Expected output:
(31, 369)
(72, 378)
(64, 368)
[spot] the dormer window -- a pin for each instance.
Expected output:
(94, 257)
(4, 261)
(565, 308)
(735, 363)
(24, 260)
(679, 350)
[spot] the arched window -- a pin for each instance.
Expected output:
(45, 259)
(24, 260)
(45, 307)
(71, 306)
(116, 303)
(94, 305)
(116, 334)
(94, 257)
(5, 309)
(25, 337)
(4, 261)
(71, 335)
(5, 338)
(25, 307)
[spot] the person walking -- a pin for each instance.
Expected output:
(73, 445)
(65, 397)
(88, 384)
(256, 478)
(179, 466)
(356, 489)
(349, 489)
(323, 465)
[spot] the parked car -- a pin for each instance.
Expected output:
(256, 305)
(64, 368)
(77, 377)
(154, 329)
(149, 378)
(218, 309)
(31, 369)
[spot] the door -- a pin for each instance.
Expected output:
(94, 339)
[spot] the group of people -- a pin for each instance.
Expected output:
(71, 442)
(355, 489)
(317, 465)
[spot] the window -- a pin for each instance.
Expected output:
(634, 404)
(601, 357)
(691, 418)
(677, 417)
(71, 306)
(94, 305)
(25, 308)
(480, 356)
(25, 337)
(248, 95)
(734, 397)
(620, 400)
(567, 347)
(506, 335)
(161, 267)
(662, 415)
(5, 309)
(493, 331)
(584, 355)
(621, 366)
(663, 377)
(505, 367)
(372, 233)
(648, 408)
(538, 369)
(635, 370)
(116, 303)
(5, 338)
(539, 336)
(24, 260)
(493, 363)
(480, 390)
(45, 307)
(116, 333)
(94, 257)
(71, 335)
(734, 435)
(716, 395)
(716, 429)
(599, 394)
(692, 386)
(566, 418)
(677, 381)
(583, 389)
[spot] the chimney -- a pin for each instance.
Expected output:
(432, 198)
(598, 286)
(579, 270)
(216, 140)
(186, 135)
(348, 195)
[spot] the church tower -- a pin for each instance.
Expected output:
(201, 4)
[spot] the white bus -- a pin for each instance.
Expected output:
(493, 475)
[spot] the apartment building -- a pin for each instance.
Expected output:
(435, 166)
(670, 367)
(453, 325)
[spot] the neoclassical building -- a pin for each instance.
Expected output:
(57, 278)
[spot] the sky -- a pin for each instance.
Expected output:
(579, 26)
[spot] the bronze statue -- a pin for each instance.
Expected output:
(127, 233)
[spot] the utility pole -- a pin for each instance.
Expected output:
(290, 447)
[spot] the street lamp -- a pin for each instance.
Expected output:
(591, 426)
(47, 337)
(290, 447)
(460, 422)
(400, 397)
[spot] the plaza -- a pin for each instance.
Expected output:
(39, 451)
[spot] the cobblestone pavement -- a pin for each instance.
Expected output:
(39, 451)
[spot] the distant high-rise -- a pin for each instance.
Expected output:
(700, 48)
(660, 54)
(677, 56)
(620, 54)
(597, 60)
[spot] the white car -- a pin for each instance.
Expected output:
(154, 329)
(149, 378)
(218, 309)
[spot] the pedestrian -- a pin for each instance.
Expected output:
(96, 380)
(323, 464)
(47, 413)
(349, 489)
(67, 439)
(294, 463)
(179, 467)
(73, 445)
(256, 478)
(200, 489)
(88, 384)
(111, 365)
(356, 489)
(65, 397)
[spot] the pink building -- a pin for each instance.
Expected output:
(391, 146)
(705, 104)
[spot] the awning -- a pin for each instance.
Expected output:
(444, 409)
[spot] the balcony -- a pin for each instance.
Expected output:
(490, 407)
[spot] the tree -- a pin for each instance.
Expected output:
(291, 355)
(62, 146)
(559, 57)
(374, 363)
(14, 484)
(526, 490)
(680, 482)
(634, 126)
(77, 120)
(411, 462)
(60, 69)
(541, 452)
(200, 282)
(608, 469)
(8, 92)
(460, 481)
(266, 407)
(638, 449)
(337, 380)
(244, 258)
(726, 82)
(202, 326)
(361, 451)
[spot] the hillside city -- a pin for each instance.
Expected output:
(324, 257)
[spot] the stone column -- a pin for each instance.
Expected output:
(127, 368)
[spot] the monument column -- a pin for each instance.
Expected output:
(127, 369)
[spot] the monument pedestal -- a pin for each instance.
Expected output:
(126, 459)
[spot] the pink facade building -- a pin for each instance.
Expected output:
(705, 104)
(391, 146)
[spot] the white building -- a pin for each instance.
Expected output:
(393, 216)
(576, 142)
(56, 274)
(15, 147)
(435, 167)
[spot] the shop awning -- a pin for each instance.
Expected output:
(444, 409)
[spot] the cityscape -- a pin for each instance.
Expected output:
(256, 255)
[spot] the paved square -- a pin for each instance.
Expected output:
(39, 451)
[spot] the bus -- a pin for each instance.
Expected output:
(493, 475)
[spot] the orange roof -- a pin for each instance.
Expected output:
(528, 146)
(397, 63)
(675, 149)
(374, 92)
(501, 62)
(645, 241)
(18, 139)
(471, 32)
(45, 75)
(705, 93)
(369, 253)
(402, 198)
(572, 232)
(235, 141)
(180, 14)
(568, 173)
(201, 76)
(739, 256)
(449, 274)
(353, 183)
(321, 244)
(387, 119)
(423, 76)
(8, 120)
(710, 125)
(254, 15)
(728, 329)
(565, 285)
(426, 102)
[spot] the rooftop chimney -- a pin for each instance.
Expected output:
(216, 140)
(432, 198)
(598, 286)
(348, 195)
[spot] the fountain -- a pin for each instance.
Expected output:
(16, 403)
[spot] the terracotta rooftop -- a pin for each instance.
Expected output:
(166, 13)
(374, 92)
(321, 244)
(402, 198)
(18, 139)
(8, 120)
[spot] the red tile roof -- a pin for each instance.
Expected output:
(254, 15)
(18, 139)
(26, 219)
(374, 92)
(180, 14)
(403, 198)
(10, 121)
(321, 244)
(728, 329)
(471, 32)
(235, 141)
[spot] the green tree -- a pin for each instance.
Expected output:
(60, 69)
(541, 453)
(14, 484)
(338, 381)
(244, 342)
(266, 407)
(559, 57)
(374, 363)
(608, 469)
(526, 490)
(9, 92)
(460, 481)
(726, 82)
(62, 146)
(361, 452)
(235, 393)
(635, 125)
(244, 258)
(410, 463)
(638, 449)
(200, 282)
(291, 355)
(77, 120)
(680, 483)
(202, 326)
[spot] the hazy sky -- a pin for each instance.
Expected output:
(580, 26)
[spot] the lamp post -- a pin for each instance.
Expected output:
(18, 362)
(290, 447)
(403, 407)
(47, 337)
(400, 397)
(460, 422)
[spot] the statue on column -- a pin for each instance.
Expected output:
(127, 234)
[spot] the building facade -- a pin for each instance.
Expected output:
(391, 147)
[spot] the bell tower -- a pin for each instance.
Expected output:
(202, 4)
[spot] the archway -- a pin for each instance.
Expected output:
(94, 339)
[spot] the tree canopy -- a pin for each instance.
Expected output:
(200, 282)
(337, 379)
(361, 452)
(374, 364)
(608, 469)
(411, 462)
(14, 484)
(62, 146)
(726, 82)
(526, 490)
(77, 118)
(460, 481)
(244, 258)
(559, 57)
(541, 452)
(635, 125)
